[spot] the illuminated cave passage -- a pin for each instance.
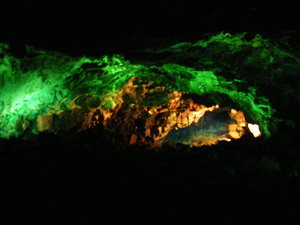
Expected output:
(146, 101)
(148, 114)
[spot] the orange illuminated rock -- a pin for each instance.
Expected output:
(143, 113)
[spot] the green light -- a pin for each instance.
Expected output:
(46, 82)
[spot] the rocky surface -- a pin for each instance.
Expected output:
(75, 179)
(146, 114)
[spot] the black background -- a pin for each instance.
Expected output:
(78, 180)
(94, 27)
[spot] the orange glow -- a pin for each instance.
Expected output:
(144, 114)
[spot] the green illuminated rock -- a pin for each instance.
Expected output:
(216, 69)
